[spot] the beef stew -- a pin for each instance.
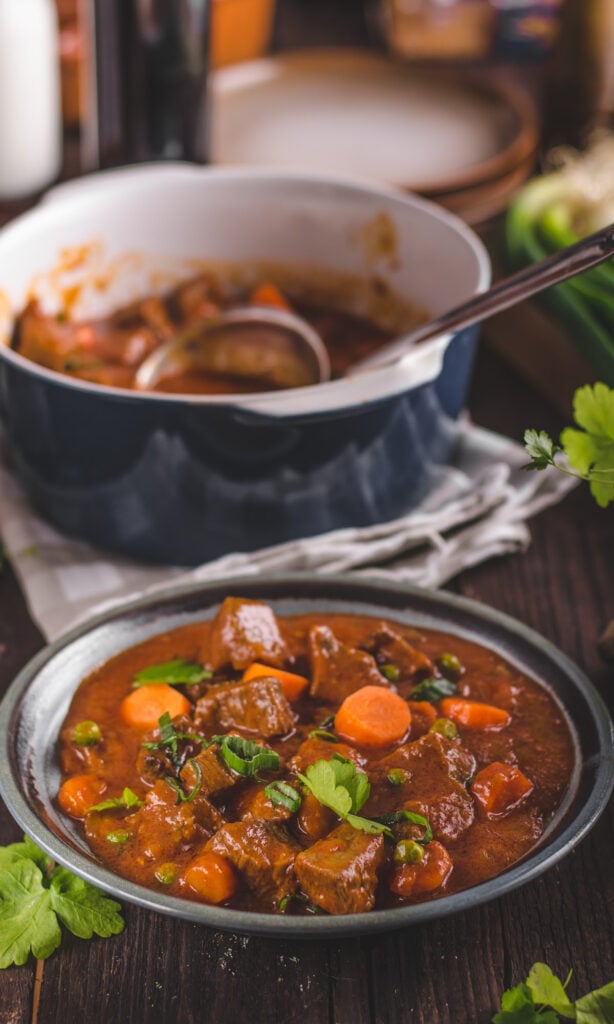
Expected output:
(316, 763)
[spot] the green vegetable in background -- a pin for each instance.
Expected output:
(557, 210)
(543, 999)
(36, 896)
(589, 451)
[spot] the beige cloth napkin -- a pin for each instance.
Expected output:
(476, 508)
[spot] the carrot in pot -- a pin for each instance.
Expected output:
(268, 294)
(373, 717)
(472, 714)
(144, 706)
(212, 877)
(427, 875)
(498, 788)
(294, 685)
(80, 792)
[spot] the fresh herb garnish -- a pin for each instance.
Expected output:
(282, 794)
(169, 740)
(326, 722)
(35, 897)
(396, 817)
(297, 897)
(589, 451)
(433, 690)
(323, 734)
(245, 757)
(126, 800)
(338, 785)
(175, 673)
(184, 798)
(543, 999)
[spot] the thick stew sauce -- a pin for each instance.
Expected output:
(313, 764)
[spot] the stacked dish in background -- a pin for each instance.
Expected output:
(467, 140)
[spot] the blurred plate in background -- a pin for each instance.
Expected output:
(355, 113)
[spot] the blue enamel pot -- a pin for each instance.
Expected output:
(183, 479)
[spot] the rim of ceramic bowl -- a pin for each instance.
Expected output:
(434, 609)
(418, 367)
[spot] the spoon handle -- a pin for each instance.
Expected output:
(588, 252)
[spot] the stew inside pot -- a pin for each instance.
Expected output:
(109, 351)
(317, 763)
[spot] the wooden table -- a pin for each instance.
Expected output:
(450, 972)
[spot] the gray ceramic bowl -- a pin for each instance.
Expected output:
(35, 705)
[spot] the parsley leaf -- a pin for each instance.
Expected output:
(338, 785)
(34, 895)
(597, 1007)
(546, 988)
(542, 999)
(126, 800)
(175, 673)
(589, 451)
(542, 449)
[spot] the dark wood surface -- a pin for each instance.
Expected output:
(448, 972)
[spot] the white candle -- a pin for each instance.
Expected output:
(30, 112)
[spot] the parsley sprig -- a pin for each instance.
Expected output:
(37, 896)
(178, 672)
(543, 999)
(589, 451)
(337, 784)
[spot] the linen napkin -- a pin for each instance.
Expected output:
(476, 508)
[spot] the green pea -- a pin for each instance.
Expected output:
(396, 776)
(121, 835)
(390, 672)
(407, 851)
(167, 874)
(450, 666)
(445, 727)
(86, 734)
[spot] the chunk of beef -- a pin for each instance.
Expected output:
(437, 770)
(340, 873)
(254, 805)
(338, 669)
(317, 749)
(161, 827)
(198, 299)
(389, 647)
(244, 631)
(153, 764)
(215, 775)
(259, 706)
(263, 854)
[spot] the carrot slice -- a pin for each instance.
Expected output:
(144, 706)
(77, 794)
(268, 294)
(426, 876)
(472, 714)
(373, 717)
(212, 877)
(293, 685)
(498, 788)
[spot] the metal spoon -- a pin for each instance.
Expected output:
(281, 349)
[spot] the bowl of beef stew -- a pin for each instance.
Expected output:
(99, 275)
(307, 757)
